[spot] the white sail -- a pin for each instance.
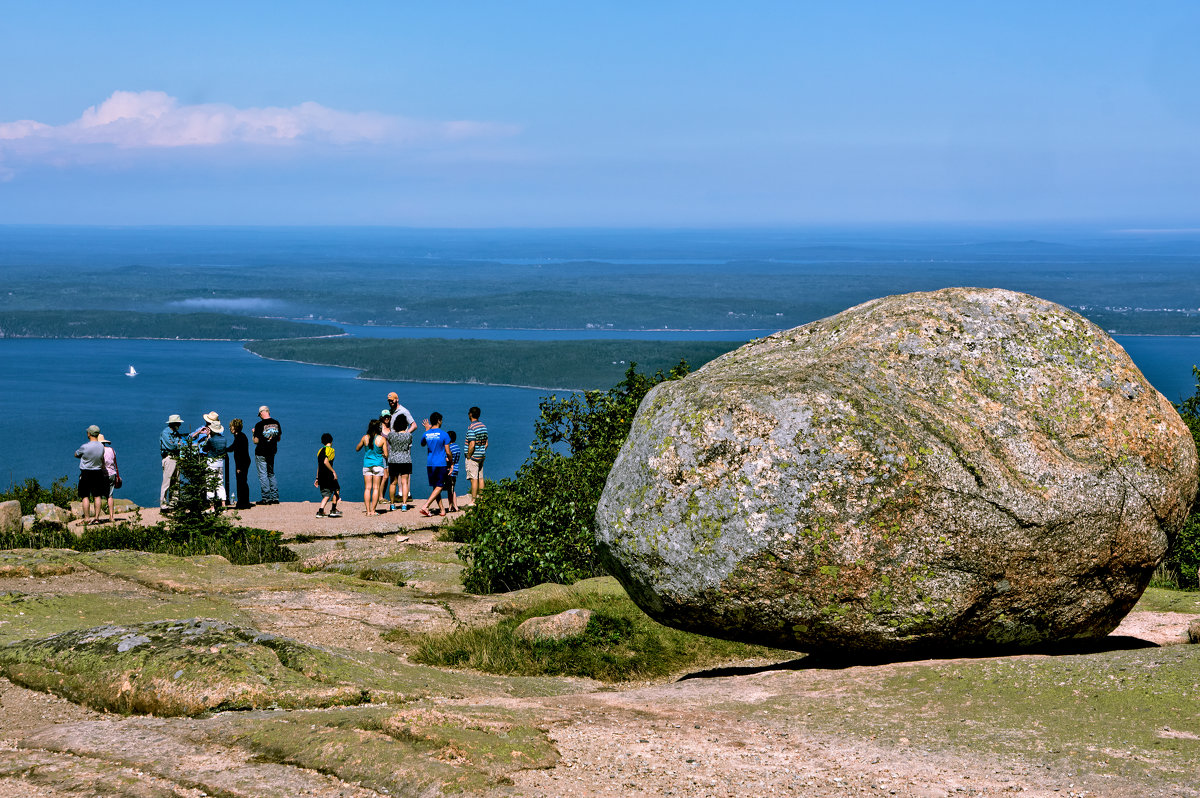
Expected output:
(132, 372)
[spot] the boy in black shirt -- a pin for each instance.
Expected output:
(327, 479)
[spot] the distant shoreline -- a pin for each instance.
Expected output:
(361, 372)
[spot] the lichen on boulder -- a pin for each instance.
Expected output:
(926, 473)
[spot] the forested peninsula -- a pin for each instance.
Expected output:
(127, 324)
(537, 364)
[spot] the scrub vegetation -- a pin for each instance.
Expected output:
(540, 526)
(1181, 568)
(31, 493)
(194, 527)
(621, 643)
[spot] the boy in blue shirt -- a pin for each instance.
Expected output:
(437, 460)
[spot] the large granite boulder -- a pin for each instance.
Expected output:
(922, 473)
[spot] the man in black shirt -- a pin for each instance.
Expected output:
(266, 434)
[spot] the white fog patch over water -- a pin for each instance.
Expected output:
(236, 304)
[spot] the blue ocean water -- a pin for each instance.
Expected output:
(51, 390)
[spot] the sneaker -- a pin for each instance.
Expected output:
(335, 513)
(320, 513)
(404, 508)
(391, 507)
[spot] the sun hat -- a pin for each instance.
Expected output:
(93, 430)
(174, 419)
(102, 439)
(214, 422)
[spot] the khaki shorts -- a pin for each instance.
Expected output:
(474, 469)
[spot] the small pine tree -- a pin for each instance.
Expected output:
(194, 511)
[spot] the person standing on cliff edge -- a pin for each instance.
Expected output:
(267, 434)
(168, 446)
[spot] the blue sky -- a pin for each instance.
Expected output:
(528, 114)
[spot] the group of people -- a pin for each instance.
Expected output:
(387, 462)
(210, 438)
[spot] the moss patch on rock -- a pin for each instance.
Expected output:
(37, 616)
(1156, 599)
(190, 667)
(15, 563)
(417, 750)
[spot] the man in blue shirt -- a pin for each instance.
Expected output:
(437, 459)
(168, 446)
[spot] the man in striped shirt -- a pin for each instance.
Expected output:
(477, 441)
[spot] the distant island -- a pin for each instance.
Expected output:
(565, 365)
(127, 324)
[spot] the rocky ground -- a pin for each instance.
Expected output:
(287, 687)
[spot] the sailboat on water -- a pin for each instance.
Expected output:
(132, 372)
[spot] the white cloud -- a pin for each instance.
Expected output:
(154, 119)
(236, 304)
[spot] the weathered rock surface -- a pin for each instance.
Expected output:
(570, 623)
(51, 513)
(10, 516)
(188, 667)
(926, 472)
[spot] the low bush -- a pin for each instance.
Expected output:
(539, 526)
(30, 493)
(194, 527)
(239, 545)
(621, 643)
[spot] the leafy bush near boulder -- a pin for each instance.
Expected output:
(539, 526)
(1181, 568)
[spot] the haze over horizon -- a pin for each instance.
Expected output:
(545, 115)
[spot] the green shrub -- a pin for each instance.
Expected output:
(620, 643)
(194, 527)
(539, 526)
(239, 545)
(30, 493)
(1181, 566)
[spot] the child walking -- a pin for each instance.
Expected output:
(327, 479)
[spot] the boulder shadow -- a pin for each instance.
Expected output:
(841, 661)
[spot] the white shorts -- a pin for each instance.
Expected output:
(374, 471)
(474, 469)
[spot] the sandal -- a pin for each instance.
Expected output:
(425, 512)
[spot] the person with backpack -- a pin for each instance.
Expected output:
(327, 479)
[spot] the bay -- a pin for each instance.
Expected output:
(50, 390)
